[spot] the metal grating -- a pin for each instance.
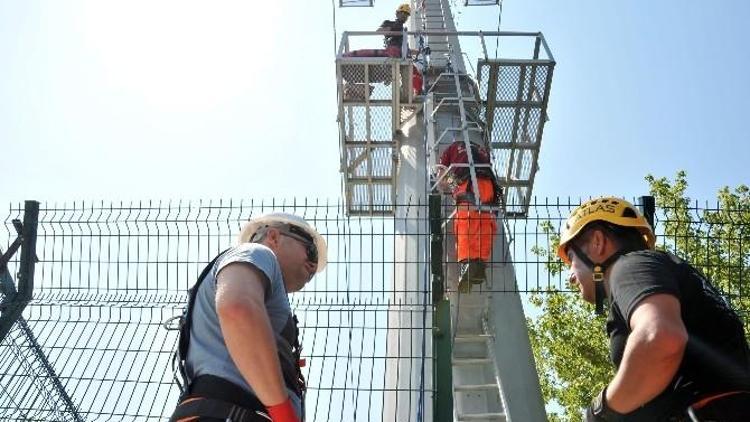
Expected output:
(515, 96)
(370, 111)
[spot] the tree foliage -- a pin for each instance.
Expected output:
(568, 340)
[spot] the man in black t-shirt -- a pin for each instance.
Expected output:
(680, 351)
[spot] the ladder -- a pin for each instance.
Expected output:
(477, 390)
(476, 386)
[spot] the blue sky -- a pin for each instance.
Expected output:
(160, 100)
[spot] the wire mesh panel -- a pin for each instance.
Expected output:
(515, 96)
(374, 92)
(366, 127)
(91, 344)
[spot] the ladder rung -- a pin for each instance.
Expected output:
(471, 361)
(449, 100)
(472, 306)
(475, 387)
(498, 416)
(478, 338)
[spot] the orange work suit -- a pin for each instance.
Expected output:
(474, 229)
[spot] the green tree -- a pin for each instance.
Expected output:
(568, 340)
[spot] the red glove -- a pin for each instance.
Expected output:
(283, 412)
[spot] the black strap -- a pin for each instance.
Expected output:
(186, 322)
(598, 274)
(214, 387)
(468, 195)
(217, 409)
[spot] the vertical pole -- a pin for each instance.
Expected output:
(28, 250)
(436, 249)
(648, 207)
(442, 402)
(15, 301)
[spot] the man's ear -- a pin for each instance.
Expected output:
(598, 242)
(273, 237)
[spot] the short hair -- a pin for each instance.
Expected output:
(260, 235)
(628, 239)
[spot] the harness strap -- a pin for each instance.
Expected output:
(216, 409)
(469, 196)
(598, 274)
(214, 397)
(216, 387)
(707, 400)
(180, 356)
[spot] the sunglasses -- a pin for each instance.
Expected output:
(303, 237)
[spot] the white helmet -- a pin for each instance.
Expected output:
(274, 218)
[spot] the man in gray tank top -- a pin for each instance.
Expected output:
(243, 352)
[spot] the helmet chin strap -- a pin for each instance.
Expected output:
(598, 274)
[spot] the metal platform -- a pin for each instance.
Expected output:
(515, 94)
(355, 3)
(375, 96)
(505, 98)
(481, 2)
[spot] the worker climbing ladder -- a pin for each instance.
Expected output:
(493, 376)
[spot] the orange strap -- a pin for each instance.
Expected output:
(703, 402)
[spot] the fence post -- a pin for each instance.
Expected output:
(28, 251)
(442, 401)
(15, 301)
(648, 207)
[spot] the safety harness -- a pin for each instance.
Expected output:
(211, 396)
(462, 174)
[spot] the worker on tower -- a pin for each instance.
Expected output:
(473, 227)
(355, 89)
(393, 42)
(679, 350)
(239, 351)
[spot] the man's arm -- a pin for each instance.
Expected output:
(247, 330)
(653, 353)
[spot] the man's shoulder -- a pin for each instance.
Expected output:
(642, 273)
(251, 249)
(450, 151)
(247, 247)
(641, 258)
(256, 254)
